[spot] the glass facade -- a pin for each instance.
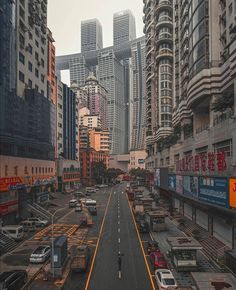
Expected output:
(198, 36)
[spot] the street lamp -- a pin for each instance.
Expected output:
(52, 216)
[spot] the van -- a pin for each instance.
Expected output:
(90, 202)
(15, 232)
(73, 202)
(28, 226)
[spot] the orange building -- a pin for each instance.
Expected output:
(99, 139)
(51, 68)
(87, 157)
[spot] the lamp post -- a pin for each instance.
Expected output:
(52, 216)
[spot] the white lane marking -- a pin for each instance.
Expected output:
(119, 240)
(118, 222)
(122, 192)
(118, 230)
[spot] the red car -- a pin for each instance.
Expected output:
(158, 260)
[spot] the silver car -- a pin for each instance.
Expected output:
(40, 255)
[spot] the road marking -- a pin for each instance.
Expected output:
(98, 242)
(119, 240)
(119, 274)
(118, 222)
(141, 245)
(150, 234)
(118, 230)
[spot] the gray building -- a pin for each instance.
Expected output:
(138, 103)
(124, 29)
(91, 35)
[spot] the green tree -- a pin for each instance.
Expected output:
(98, 171)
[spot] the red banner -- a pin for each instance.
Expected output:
(8, 207)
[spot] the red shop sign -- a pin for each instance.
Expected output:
(202, 162)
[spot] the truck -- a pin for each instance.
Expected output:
(80, 256)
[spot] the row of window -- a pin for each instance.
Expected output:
(34, 170)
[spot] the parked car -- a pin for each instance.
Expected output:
(92, 210)
(13, 280)
(143, 226)
(78, 207)
(38, 221)
(15, 232)
(152, 247)
(73, 202)
(158, 260)
(165, 279)
(40, 254)
(90, 190)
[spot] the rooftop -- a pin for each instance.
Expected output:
(184, 243)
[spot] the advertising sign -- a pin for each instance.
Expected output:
(8, 207)
(179, 184)
(232, 192)
(190, 186)
(214, 190)
(172, 182)
(141, 161)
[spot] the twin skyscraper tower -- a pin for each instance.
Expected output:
(121, 70)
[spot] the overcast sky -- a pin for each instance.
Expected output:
(64, 17)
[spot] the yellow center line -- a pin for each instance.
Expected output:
(141, 245)
(98, 242)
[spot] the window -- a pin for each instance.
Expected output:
(21, 77)
(30, 84)
(21, 58)
(224, 146)
(16, 170)
(30, 66)
(21, 39)
(42, 78)
(42, 62)
(36, 43)
(36, 88)
(36, 56)
(42, 92)
(36, 72)
(6, 170)
(32, 170)
(42, 50)
(30, 35)
(30, 49)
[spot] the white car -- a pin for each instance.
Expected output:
(40, 254)
(38, 222)
(165, 279)
(78, 207)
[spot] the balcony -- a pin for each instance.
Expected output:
(164, 5)
(150, 50)
(164, 37)
(164, 53)
(164, 21)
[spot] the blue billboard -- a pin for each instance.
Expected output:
(190, 185)
(172, 182)
(214, 190)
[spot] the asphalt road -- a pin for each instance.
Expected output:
(119, 234)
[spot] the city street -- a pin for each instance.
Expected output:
(119, 234)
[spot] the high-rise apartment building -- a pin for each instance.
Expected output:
(99, 140)
(200, 153)
(138, 113)
(124, 29)
(158, 20)
(91, 35)
(59, 118)
(97, 99)
(31, 23)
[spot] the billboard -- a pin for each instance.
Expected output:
(190, 186)
(214, 190)
(232, 192)
(172, 182)
(157, 177)
(179, 184)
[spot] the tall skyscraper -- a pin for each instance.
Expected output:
(91, 35)
(158, 28)
(113, 69)
(124, 29)
(138, 120)
(112, 78)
